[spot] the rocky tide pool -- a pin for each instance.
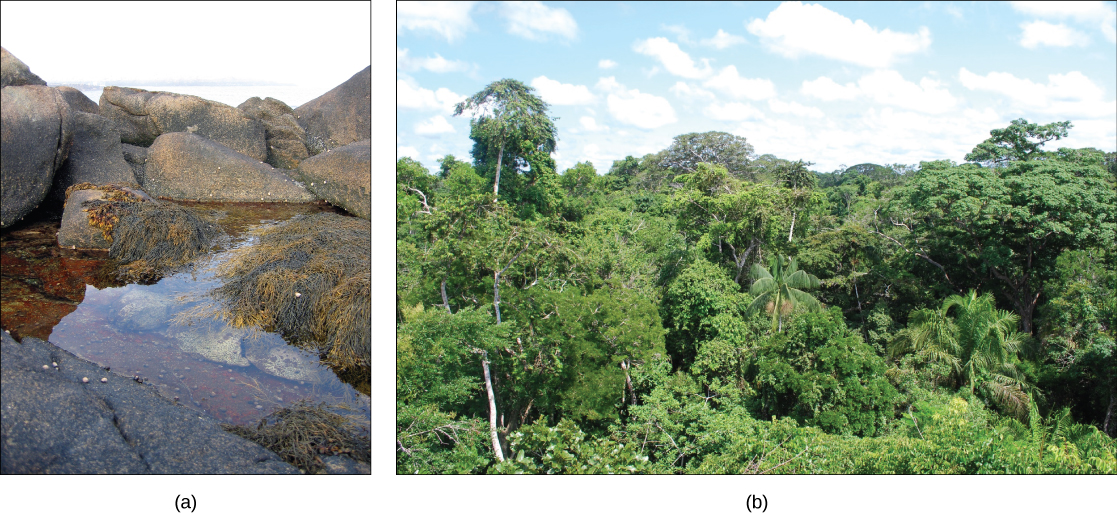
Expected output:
(149, 333)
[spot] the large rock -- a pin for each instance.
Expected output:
(51, 422)
(185, 166)
(340, 117)
(77, 100)
(14, 73)
(34, 142)
(95, 156)
(342, 177)
(136, 157)
(286, 140)
(142, 116)
(76, 231)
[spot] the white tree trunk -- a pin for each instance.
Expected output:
(492, 407)
(496, 183)
(793, 213)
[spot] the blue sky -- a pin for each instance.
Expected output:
(833, 83)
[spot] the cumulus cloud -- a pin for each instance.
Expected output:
(411, 96)
(794, 29)
(557, 93)
(794, 108)
(411, 152)
(1042, 33)
(728, 81)
(824, 88)
(733, 112)
(450, 20)
(723, 40)
(605, 64)
(589, 124)
(1070, 94)
(535, 21)
(672, 58)
(687, 92)
(1087, 13)
(436, 125)
(631, 107)
(889, 87)
(437, 64)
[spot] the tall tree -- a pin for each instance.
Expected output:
(719, 148)
(780, 291)
(508, 118)
(801, 181)
(1020, 141)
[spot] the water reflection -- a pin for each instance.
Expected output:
(234, 375)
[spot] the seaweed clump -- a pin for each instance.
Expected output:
(308, 279)
(302, 432)
(105, 212)
(150, 239)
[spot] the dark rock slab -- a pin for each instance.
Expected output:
(34, 142)
(54, 423)
(142, 116)
(14, 73)
(185, 166)
(136, 157)
(285, 138)
(77, 100)
(341, 116)
(342, 177)
(95, 157)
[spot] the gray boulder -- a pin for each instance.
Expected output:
(77, 100)
(35, 142)
(185, 166)
(14, 73)
(142, 116)
(136, 157)
(75, 231)
(341, 116)
(53, 423)
(342, 177)
(286, 140)
(95, 157)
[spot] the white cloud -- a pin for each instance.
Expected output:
(411, 96)
(687, 92)
(794, 29)
(437, 64)
(605, 64)
(1042, 33)
(557, 93)
(729, 82)
(889, 87)
(411, 152)
(723, 40)
(794, 108)
(680, 31)
(824, 88)
(1082, 12)
(673, 59)
(886, 87)
(449, 19)
(1065, 95)
(436, 125)
(733, 111)
(535, 21)
(631, 107)
(589, 124)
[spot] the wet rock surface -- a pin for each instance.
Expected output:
(216, 342)
(54, 423)
(142, 310)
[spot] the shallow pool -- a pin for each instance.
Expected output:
(141, 331)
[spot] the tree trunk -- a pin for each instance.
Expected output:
(496, 295)
(628, 384)
(496, 183)
(492, 406)
(445, 300)
(793, 213)
(1108, 427)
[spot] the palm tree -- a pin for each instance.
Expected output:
(978, 343)
(779, 290)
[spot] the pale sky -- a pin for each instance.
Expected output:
(311, 44)
(835, 83)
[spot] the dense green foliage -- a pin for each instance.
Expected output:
(704, 310)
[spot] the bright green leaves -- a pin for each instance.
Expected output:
(565, 449)
(1020, 141)
(780, 290)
